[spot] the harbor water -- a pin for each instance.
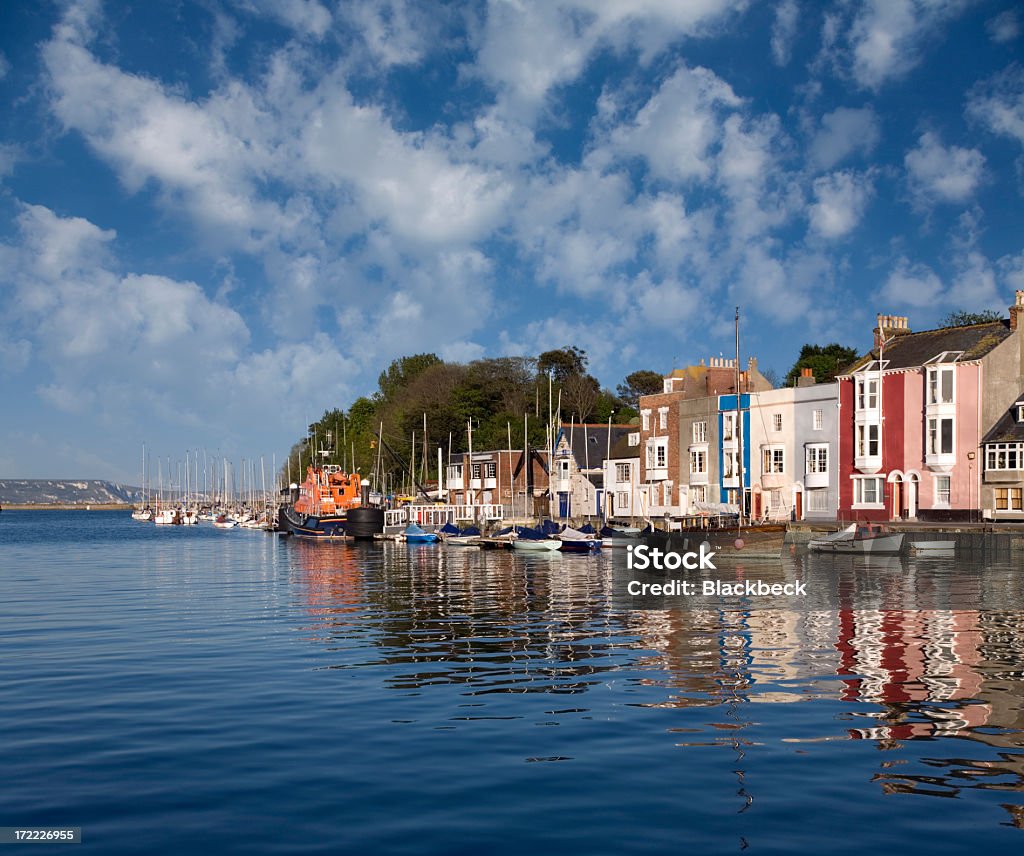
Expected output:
(194, 690)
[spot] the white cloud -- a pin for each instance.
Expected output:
(398, 32)
(950, 174)
(888, 37)
(305, 16)
(841, 200)
(676, 131)
(998, 103)
(844, 131)
(912, 285)
(974, 286)
(1004, 27)
(784, 30)
(526, 48)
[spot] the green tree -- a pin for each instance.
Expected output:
(402, 371)
(965, 319)
(825, 362)
(642, 382)
(562, 362)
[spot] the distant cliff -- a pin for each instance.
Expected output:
(66, 492)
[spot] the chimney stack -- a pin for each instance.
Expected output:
(890, 326)
(806, 378)
(1016, 309)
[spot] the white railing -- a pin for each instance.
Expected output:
(438, 515)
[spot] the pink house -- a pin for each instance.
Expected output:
(913, 415)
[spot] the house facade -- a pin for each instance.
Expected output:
(622, 501)
(578, 478)
(913, 414)
(502, 477)
(793, 462)
(679, 437)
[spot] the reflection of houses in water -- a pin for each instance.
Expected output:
(719, 656)
(997, 639)
(909, 657)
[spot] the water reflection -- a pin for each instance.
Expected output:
(887, 651)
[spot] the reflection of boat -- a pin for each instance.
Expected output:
(936, 548)
(328, 504)
(414, 534)
(863, 538)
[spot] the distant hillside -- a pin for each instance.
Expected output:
(84, 492)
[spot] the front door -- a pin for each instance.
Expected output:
(897, 500)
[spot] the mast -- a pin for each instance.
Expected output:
(739, 419)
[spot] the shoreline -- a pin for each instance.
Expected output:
(68, 506)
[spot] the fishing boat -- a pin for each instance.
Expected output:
(859, 539)
(328, 504)
(415, 534)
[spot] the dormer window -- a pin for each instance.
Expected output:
(1020, 411)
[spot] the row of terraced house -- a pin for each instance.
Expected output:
(928, 425)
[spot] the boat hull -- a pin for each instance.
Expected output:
(881, 545)
(310, 526)
(536, 546)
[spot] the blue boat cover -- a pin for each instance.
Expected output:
(608, 532)
(504, 531)
(469, 530)
(587, 529)
(528, 534)
(549, 527)
(449, 529)
(413, 529)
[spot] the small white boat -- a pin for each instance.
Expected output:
(222, 521)
(859, 539)
(167, 517)
(542, 545)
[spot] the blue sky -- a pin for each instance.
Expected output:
(219, 218)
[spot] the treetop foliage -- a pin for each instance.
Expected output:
(965, 319)
(824, 361)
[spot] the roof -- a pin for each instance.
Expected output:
(1007, 429)
(622, 449)
(911, 350)
(590, 442)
